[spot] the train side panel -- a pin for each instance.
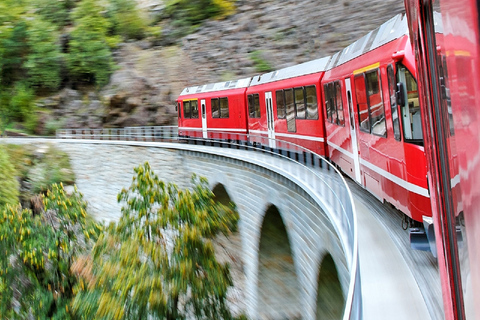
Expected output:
(368, 131)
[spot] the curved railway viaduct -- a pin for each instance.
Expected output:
(292, 255)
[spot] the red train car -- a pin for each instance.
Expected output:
(209, 110)
(286, 105)
(449, 87)
(373, 120)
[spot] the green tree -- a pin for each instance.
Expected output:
(89, 59)
(54, 11)
(158, 261)
(22, 106)
(9, 184)
(127, 20)
(37, 252)
(44, 57)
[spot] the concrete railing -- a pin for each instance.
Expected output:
(313, 172)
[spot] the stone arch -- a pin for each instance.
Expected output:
(278, 287)
(229, 249)
(221, 194)
(330, 298)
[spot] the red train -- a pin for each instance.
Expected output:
(359, 108)
(448, 63)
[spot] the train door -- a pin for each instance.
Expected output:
(204, 119)
(353, 132)
(270, 120)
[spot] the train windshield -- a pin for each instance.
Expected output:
(407, 100)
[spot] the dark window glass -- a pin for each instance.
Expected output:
(251, 106)
(300, 103)
(179, 109)
(215, 108)
(256, 101)
(312, 105)
(224, 113)
(375, 102)
(290, 108)
(362, 104)
(186, 109)
(194, 109)
(328, 100)
(280, 98)
(339, 104)
(393, 103)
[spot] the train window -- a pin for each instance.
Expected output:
(339, 104)
(224, 113)
(393, 103)
(328, 88)
(333, 103)
(194, 109)
(410, 110)
(179, 109)
(215, 108)
(312, 105)
(375, 104)
(280, 97)
(254, 105)
(300, 103)
(186, 109)
(290, 110)
(362, 104)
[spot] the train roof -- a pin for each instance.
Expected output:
(219, 86)
(393, 29)
(302, 69)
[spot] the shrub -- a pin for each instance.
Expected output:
(9, 184)
(134, 273)
(36, 256)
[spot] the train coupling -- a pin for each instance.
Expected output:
(424, 238)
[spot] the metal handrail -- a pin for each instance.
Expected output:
(327, 184)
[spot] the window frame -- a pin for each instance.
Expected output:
(394, 109)
(218, 107)
(253, 101)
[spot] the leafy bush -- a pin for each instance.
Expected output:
(90, 59)
(127, 19)
(37, 252)
(186, 14)
(22, 105)
(158, 262)
(9, 184)
(44, 58)
(54, 11)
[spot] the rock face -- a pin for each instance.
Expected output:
(279, 33)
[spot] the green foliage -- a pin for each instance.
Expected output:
(9, 184)
(14, 50)
(37, 252)
(261, 65)
(189, 13)
(22, 106)
(38, 171)
(127, 19)
(43, 60)
(54, 11)
(158, 262)
(90, 59)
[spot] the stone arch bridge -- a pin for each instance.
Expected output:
(295, 253)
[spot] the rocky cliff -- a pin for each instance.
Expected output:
(261, 35)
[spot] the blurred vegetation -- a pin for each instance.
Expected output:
(9, 184)
(158, 262)
(260, 63)
(46, 45)
(38, 169)
(37, 252)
